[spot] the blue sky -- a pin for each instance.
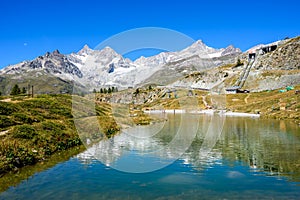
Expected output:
(30, 28)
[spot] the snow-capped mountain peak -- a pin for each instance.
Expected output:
(108, 51)
(105, 67)
(198, 45)
(53, 63)
(86, 50)
(198, 48)
(230, 50)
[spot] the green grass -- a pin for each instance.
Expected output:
(34, 129)
(31, 129)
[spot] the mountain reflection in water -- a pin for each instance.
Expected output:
(263, 145)
(249, 159)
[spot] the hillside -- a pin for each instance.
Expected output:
(273, 70)
(31, 129)
(270, 104)
(276, 104)
(276, 69)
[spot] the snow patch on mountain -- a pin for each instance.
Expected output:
(105, 67)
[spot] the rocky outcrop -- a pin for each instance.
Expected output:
(53, 63)
(260, 81)
(231, 50)
(276, 69)
(285, 57)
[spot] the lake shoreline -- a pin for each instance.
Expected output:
(206, 111)
(34, 129)
(15, 177)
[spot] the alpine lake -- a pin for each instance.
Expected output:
(187, 156)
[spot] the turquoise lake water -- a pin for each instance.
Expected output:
(249, 159)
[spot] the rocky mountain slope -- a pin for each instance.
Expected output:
(103, 68)
(272, 70)
(108, 68)
(50, 73)
(276, 69)
(54, 63)
(285, 57)
(197, 66)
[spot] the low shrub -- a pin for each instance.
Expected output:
(6, 108)
(23, 118)
(52, 127)
(66, 112)
(5, 122)
(24, 131)
(36, 103)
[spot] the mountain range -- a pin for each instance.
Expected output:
(92, 69)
